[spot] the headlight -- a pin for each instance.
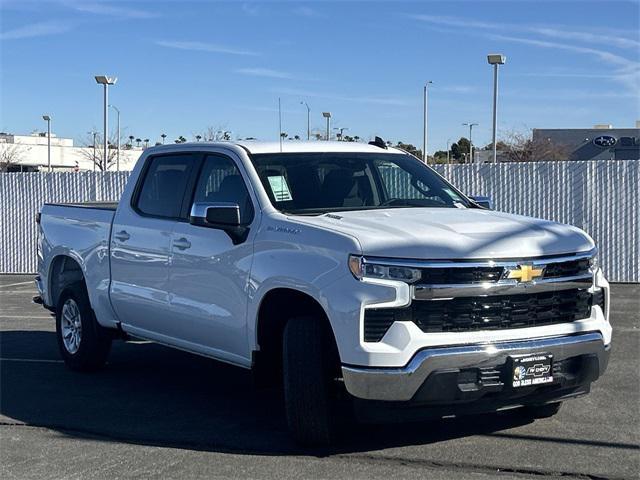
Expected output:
(361, 269)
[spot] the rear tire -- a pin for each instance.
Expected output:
(542, 411)
(84, 344)
(309, 370)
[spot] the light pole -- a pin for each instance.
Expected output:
(448, 142)
(341, 130)
(308, 119)
(105, 81)
(118, 151)
(495, 59)
(327, 115)
(47, 118)
(470, 125)
(94, 149)
(425, 158)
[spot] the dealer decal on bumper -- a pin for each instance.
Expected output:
(532, 370)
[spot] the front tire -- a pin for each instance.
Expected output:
(309, 369)
(84, 344)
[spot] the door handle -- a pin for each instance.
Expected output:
(182, 243)
(123, 236)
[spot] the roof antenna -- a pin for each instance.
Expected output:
(379, 142)
(280, 123)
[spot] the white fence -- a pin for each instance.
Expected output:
(601, 197)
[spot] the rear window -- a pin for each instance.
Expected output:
(164, 185)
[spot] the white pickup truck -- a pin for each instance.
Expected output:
(351, 274)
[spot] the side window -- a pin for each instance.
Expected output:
(164, 185)
(220, 181)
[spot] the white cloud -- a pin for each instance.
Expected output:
(627, 72)
(35, 30)
(264, 72)
(204, 47)
(103, 8)
(558, 32)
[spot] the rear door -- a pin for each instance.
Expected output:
(141, 245)
(209, 270)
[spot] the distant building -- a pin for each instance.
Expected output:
(603, 142)
(28, 153)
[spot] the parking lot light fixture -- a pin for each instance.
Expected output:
(105, 81)
(425, 113)
(470, 125)
(118, 130)
(308, 119)
(495, 59)
(327, 115)
(47, 118)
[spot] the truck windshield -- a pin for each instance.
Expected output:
(315, 183)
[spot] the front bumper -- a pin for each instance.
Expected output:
(460, 374)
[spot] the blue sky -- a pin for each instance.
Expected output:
(184, 66)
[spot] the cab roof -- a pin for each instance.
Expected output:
(315, 146)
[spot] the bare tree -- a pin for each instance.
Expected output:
(213, 134)
(11, 154)
(518, 146)
(94, 153)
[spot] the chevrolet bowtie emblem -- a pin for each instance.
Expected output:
(525, 273)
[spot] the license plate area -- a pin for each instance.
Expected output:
(531, 370)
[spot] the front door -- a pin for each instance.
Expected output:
(208, 274)
(141, 247)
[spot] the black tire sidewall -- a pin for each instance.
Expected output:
(95, 342)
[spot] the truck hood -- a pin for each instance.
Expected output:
(452, 233)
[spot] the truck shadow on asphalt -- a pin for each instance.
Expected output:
(153, 395)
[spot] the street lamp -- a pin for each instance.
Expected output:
(94, 149)
(495, 59)
(118, 151)
(470, 125)
(448, 143)
(308, 119)
(425, 158)
(47, 119)
(106, 81)
(327, 115)
(341, 130)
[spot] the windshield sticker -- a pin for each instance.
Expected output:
(280, 188)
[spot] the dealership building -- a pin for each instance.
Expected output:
(602, 142)
(30, 153)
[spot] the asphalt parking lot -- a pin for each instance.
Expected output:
(154, 412)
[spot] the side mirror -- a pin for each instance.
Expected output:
(222, 216)
(485, 202)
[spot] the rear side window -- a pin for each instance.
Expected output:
(164, 185)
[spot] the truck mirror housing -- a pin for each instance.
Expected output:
(486, 202)
(215, 215)
(222, 216)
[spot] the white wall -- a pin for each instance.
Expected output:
(65, 157)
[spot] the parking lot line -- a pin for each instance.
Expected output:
(29, 360)
(16, 284)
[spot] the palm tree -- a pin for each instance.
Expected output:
(138, 140)
(356, 138)
(198, 137)
(131, 137)
(284, 135)
(164, 135)
(296, 137)
(146, 143)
